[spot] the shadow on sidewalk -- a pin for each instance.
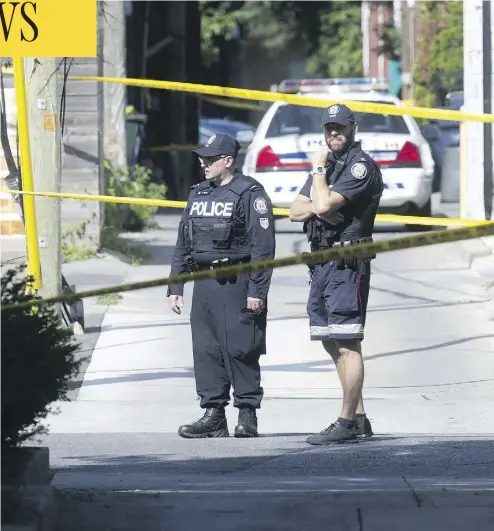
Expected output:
(382, 455)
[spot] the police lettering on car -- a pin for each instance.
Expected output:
(338, 205)
(228, 220)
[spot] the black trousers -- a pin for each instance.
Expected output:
(227, 343)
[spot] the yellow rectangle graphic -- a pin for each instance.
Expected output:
(48, 28)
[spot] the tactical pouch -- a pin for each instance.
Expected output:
(340, 262)
(312, 229)
(221, 234)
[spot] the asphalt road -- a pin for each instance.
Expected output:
(119, 463)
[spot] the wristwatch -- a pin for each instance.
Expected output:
(318, 169)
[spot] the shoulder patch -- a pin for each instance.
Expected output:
(260, 205)
(359, 170)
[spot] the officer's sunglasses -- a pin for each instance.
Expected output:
(338, 128)
(209, 161)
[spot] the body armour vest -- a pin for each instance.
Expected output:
(216, 224)
(359, 215)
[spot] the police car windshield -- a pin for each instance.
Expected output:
(302, 120)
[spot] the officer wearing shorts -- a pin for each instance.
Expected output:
(338, 205)
(228, 220)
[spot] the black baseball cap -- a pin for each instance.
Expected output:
(219, 145)
(337, 114)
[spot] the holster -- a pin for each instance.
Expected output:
(354, 263)
(190, 264)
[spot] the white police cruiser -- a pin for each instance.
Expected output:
(277, 156)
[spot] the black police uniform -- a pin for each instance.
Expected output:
(225, 225)
(339, 291)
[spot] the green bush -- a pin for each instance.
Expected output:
(438, 68)
(37, 362)
(130, 182)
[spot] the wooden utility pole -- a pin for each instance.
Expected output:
(43, 103)
(112, 20)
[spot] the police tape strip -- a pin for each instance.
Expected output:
(284, 212)
(224, 102)
(351, 251)
(262, 95)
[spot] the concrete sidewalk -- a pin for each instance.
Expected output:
(143, 354)
(429, 392)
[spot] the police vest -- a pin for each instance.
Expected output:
(359, 216)
(215, 228)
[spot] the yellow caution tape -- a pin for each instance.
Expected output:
(352, 251)
(380, 218)
(262, 95)
(233, 104)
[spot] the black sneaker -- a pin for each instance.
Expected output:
(247, 423)
(212, 424)
(363, 427)
(334, 434)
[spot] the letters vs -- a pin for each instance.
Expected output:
(9, 13)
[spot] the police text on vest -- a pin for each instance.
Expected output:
(214, 209)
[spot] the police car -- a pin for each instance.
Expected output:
(278, 155)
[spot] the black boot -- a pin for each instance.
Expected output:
(212, 424)
(247, 423)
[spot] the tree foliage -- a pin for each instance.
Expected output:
(390, 42)
(329, 32)
(439, 65)
(339, 50)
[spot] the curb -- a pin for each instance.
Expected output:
(36, 511)
(32, 494)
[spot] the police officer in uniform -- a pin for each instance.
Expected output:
(338, 205)
(228, 220)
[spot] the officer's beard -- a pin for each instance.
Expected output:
(350, 140)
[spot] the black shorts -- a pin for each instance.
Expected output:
(337, 304)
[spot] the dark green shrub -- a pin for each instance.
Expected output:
(37, 362)
(130, 182)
